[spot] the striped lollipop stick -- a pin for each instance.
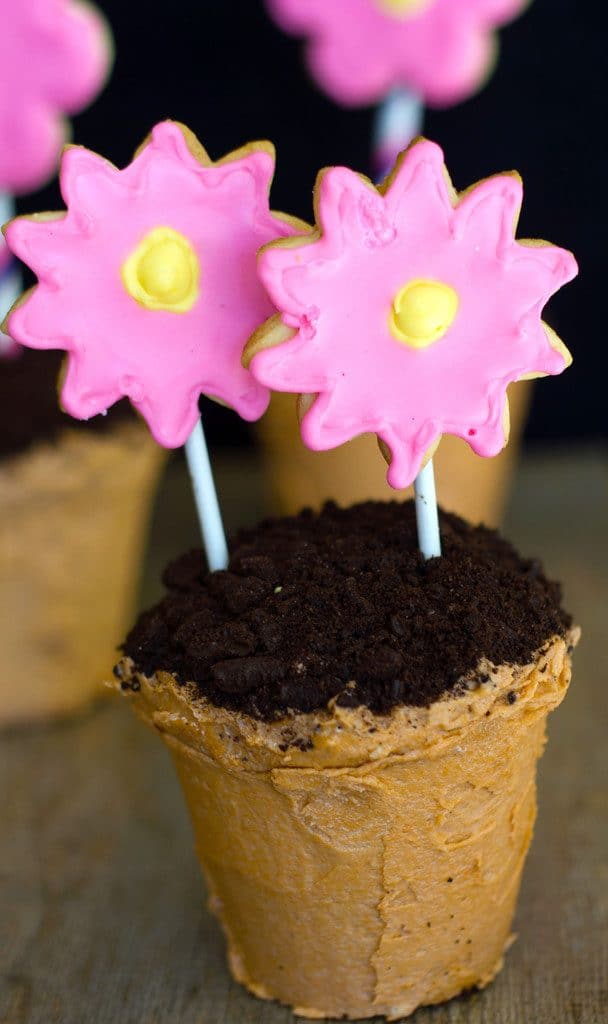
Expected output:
(10, 279)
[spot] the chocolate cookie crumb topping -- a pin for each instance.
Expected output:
(29, 407)
(341, 605)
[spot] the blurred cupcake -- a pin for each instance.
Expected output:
(75, 502)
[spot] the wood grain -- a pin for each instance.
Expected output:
(102, 916)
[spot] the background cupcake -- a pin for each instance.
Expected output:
(71, 500)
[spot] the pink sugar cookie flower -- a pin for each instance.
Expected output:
(54, 59)
(358, 50)
(149, 280)
(409, 311)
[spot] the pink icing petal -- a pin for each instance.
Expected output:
(498, 12)
(357, 51)
(81, 170)
(280, 278)
(541, 356)
(54, 57)
(29, 324)
(335, 64)
(558, 264)
(465, 55)
(169, 422)
(83, 398)
(406, 459)
(33, 152)
(160, 358)
(337, 293)
(496, 203)
(30, 241)
(295, 16)
(418, 192)
(322, 427)
(78, 38)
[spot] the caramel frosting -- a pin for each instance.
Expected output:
(364, 864)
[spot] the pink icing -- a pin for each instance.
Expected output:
(162, 360)
(337, 293)
(358, 52)
(54, 57)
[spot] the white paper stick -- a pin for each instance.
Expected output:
(10, 278)
(427, 517)
(205, 499)
(398, 121)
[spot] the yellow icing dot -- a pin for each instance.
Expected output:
(422, 312)
(163, 272)
(402, 8)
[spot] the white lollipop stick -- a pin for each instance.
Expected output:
(398, 121)
(427, 517)
(10, 278)
(205, 499)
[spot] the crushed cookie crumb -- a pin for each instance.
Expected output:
(339, 605)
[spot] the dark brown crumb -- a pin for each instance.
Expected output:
(511, 697)
(341, 605)
(29, 407)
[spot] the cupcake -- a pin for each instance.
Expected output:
(356, 731)
(75, 500)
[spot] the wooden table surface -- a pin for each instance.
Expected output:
(102, 917)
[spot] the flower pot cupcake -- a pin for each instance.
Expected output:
(356, 725)
(356, 732)
(66, 608)
(74, 507)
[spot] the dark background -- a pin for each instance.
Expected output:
(227, 71)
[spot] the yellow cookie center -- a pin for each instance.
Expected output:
(402, 8)
(422, 312)
(163, 272)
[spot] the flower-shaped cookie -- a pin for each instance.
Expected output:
(409, 311)
(359, 50)
(54, 58)
(149, 280)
